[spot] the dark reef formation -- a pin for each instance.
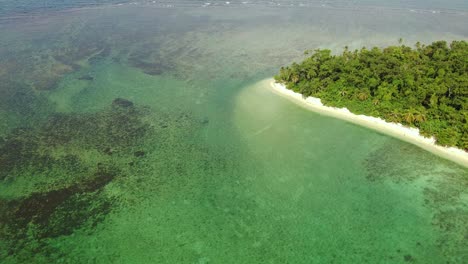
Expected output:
(118, 128)
(150, 60)
(443, 195)
(119, 102)
(58, 207)
(149, 67)
(26, 77)
(77, 204)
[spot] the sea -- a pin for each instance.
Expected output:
(144, 132)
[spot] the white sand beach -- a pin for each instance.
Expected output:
(399, 131)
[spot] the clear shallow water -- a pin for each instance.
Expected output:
(207, 165)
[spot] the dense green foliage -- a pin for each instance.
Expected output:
(425, 87)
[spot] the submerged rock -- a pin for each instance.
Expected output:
(120, 102)
(153, 66)
(86, 78)
(408, 258)
(139, 153)
(205, 121)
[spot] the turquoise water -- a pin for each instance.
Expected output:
(146, 135)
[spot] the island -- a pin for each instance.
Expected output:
(420, 91)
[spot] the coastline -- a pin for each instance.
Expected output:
(408, 134)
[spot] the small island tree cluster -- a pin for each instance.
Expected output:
(424, 87)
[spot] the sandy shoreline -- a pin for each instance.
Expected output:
(399, 131)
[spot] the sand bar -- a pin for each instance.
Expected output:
(399, 131)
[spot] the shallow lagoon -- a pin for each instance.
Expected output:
(142, 133)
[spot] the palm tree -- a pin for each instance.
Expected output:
(419, 117)
(295, 78)
(363, 96)
(464, 141)
(393, 117)
(408, 117)
(414, 116)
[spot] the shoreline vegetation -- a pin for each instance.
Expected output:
(407, 134)
(424, 88)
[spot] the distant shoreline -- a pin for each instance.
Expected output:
(399, 131)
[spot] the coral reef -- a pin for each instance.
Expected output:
(445, 196)
(59, 206)
(154, 67)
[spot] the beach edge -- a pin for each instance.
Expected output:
(407, 134)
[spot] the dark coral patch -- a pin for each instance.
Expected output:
(86, 78)
(57, 212)
(59, 208)
(20, 150)
(148, 68)
(205, 121)
(109, 131)
(120, 102)
(139, 153)
(408, 258)
(150, 63)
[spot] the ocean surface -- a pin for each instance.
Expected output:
(142, 132)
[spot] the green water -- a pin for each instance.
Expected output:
(198, 161)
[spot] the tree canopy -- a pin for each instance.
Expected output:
(424, 87)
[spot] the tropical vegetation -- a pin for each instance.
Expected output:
(424, 87)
